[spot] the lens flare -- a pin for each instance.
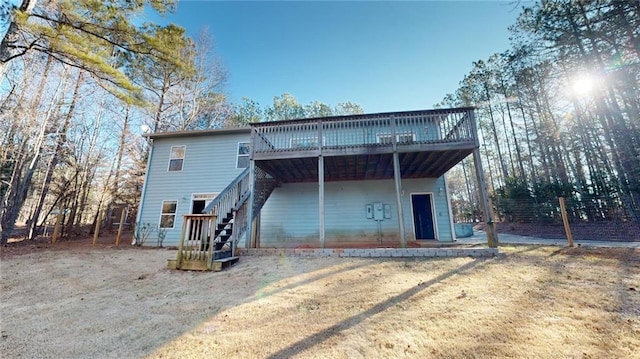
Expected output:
(583, 84)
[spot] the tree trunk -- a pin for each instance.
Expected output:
(121, 146)
(513, 133)
(503, 167)
(21, 177)
(62, 137)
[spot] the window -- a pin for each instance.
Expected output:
(243, 155)
(406, 137)
(308, 142)
(177, 158)
(384, 139)
(401, 138)
(168, 215)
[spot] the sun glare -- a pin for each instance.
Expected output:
(582, 84)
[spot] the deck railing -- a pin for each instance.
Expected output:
(377, 130)
(194, 242)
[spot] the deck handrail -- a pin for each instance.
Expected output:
(226, 191)
(226, 203)
(316, 135)
(365, 116)
(234, 199)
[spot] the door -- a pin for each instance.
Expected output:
(197, 206)
(198, 203)
(423, 216)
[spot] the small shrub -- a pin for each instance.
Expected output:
(142, 233)
(162, 233)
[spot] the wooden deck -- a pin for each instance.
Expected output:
(364, 167)
(358, 147)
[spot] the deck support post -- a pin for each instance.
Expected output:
(492, 234)
(321, 199)
(255, 239)
(397, 177)
(252, 186)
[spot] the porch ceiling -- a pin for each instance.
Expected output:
(364, 167)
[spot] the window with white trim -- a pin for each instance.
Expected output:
(243, 155)
(168, 214)
(401, 138)
(384, 139)
(408, 137)
(176, 159)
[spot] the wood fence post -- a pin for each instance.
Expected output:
(565, 221)
(96, 231)
(122, 217)
(56, 229)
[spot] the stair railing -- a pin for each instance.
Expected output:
(193, 246)
(226, 202)
(234, 199)
(263, 187)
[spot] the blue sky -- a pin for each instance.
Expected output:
(385, 56)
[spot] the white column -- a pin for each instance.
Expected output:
(321, 198)
(397, 177)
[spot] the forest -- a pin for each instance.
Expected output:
(558, 116)
(81, 82)
(558, 113)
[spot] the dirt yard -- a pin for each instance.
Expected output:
(73, 300)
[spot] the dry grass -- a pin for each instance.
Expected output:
(531, 302)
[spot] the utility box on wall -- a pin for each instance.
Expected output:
(387, 211)
(378, 211)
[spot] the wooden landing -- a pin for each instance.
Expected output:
(220, 264)
(198, 265)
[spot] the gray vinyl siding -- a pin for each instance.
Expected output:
(290, 216)
(208, 167)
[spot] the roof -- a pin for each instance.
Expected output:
(197, 133)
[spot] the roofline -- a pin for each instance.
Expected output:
(197, 133)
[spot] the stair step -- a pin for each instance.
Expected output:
(228, 259)
(227, 231)
(219, 264)
(221, 254)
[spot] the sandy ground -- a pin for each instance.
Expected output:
(79, 301)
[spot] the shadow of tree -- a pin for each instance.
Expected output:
(316, 277)
(310, 341)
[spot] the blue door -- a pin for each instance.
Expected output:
(423, 216)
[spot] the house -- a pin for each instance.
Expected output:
(322, 182)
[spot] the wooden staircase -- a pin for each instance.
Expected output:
(208, 241)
